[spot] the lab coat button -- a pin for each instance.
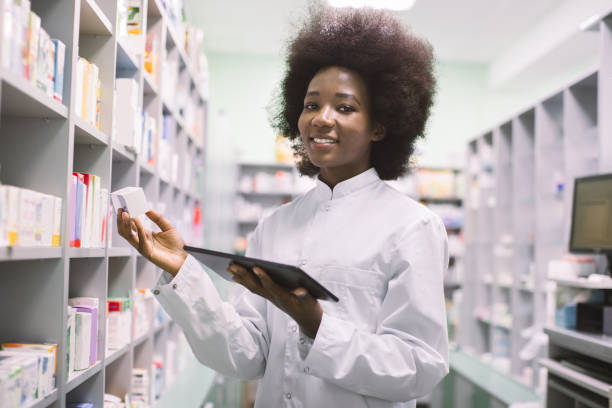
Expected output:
(293, 329)
(306, 370)
(302, 341)
(174, 286)
(156, 292)
(288, 395)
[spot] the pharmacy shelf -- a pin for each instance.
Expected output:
(150, 87)
(93, 20)
(44, 401)
(501, 387)
(575, 377)
(584, 283)
(86, 252)
(81, 376)
(62, 143)
(147, 168)
(25, 253)
(20, 98)
(597, 346)
(120, 251)
(121, 153)
(125, 60)
(84, 133)
(116, 354)
(140, 340)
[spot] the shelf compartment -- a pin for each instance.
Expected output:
(594, 345)
(122, 154)
(93, 20)
(84, 133)
(140, 340)
(83, 376)
(575, 377)
(44, 401)
(147, 168)
(25, 253)
(125, 60)
(86, 252)
(150, 87)
(116, 354)
(20, 98)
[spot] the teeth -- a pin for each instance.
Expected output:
(317, 140)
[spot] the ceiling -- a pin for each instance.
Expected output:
(473, 31)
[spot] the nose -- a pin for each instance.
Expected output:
(324, 117)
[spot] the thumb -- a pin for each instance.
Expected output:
(301, 293)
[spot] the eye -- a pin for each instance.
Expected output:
(310, 106)
(346, 108)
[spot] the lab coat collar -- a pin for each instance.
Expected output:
(346, 187)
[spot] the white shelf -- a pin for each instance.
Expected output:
(150, 87)
(47, 142)
(116, 355)
(79, 377)
(120, 153)
(86, 252)
(577, 378)
(125, 58)
(597, 346)
(119, 251)
(84, 133)
(44, 401)
(147, 168)
(583, 283)
(25, 253)
(21, 98)
(93, 20)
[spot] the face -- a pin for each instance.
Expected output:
(335, 123)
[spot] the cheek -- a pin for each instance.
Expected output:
(302, 124)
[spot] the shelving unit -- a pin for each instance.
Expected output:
(519, 196)
(42, 142)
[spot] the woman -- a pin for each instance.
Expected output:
(355, 97)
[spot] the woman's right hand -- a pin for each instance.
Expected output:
(164, 249)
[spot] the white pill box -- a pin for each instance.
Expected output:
(130, 199)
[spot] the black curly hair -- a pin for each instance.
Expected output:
(397, 68)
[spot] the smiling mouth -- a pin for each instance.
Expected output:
(322, 140)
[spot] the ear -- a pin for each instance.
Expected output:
(379, 132)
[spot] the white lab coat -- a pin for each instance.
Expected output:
(383, 345)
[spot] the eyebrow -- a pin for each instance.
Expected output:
(339, 94)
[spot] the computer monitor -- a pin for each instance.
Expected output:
(592, 217)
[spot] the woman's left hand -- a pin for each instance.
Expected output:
(298, 303)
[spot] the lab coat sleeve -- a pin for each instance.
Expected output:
(407, 355)
(232, 339)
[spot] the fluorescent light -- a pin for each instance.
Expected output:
(396, 5)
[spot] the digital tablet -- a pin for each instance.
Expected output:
(287, 276)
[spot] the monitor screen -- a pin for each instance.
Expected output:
(592, 215)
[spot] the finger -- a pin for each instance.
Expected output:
(245, 275)
(125, 230)
(256, 289)
(158, 219)
(144, 246)
(269, 285)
